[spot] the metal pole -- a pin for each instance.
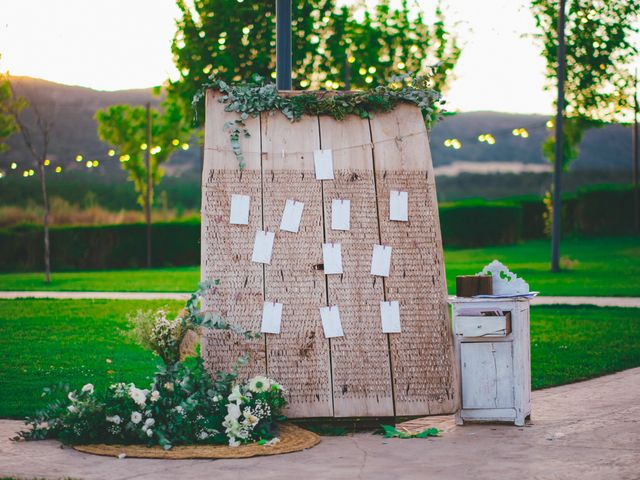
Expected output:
(559, 150)
(147, 210)
(283, 44)
(634, 156)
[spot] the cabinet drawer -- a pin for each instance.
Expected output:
(483, 326)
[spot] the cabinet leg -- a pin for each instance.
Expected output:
(459, 420)
(519, 421)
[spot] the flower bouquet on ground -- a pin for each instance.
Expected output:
(183, 405)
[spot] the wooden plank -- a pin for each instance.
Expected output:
(425, 379)
(226, 249)
(299, 356)
(357, 391)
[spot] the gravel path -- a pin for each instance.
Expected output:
(599, 301)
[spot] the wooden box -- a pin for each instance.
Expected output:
(366, 372)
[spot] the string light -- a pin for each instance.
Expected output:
(111, 152)
(78, 158)
(520, 132)
(155, 150)
(143, 146)
(487, 137)
(453, 143)
(25, 173)
(125, 158)
(31, 172)
(47, 162)
(175, 142)
(2, 174)
(95, 163)
(89, 164)
(14, 165)
(58, 169)
(185, 146)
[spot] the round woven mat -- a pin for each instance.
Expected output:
(292, 439)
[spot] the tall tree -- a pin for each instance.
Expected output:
(36, 134)
(597, 83)
(7, 106)
(331, 48)
(125, 128)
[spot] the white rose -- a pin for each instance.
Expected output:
(179, 409)
(149, 433)
(233, 442)
(155, 395)
(114, 419)
(72, 409)
(71, 397)
(138, 396)
(136, 417)
(88, 388)
(149, 422)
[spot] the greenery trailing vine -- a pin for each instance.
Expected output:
(252, 98)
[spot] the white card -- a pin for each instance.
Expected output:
(340, 214)
(291, 216)
(381, 260)
(323, 162)
(331, 322)
(390, 315)
(262, 247)
(271, 317)
(399, 206)
(239, 210)
(332, 258)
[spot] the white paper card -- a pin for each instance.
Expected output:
(332, 258)
(340, 214)
(291, 216)
(399, 206)
(262, 247)
(390, 315)
(239, 210)
(331, 322)
(323, 161)
(381, 260)
(271, 317)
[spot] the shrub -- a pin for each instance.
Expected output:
(605, 210)
(478, 223)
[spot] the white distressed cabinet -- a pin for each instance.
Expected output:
(493, 354)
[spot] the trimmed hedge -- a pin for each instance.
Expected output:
(100, 247)
(477, 223)
(605, 210)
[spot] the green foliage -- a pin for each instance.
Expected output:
(604, 210)
(9, 106)
(124, 128)
(349, 47)
(392, 432)
(599, 51)
(252, 99)
(184, 404)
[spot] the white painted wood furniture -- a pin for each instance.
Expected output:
(494, 359)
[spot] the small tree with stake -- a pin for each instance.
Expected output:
(37, 138)
(145, 139)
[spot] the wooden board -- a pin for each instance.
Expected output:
(357, 391)
(226, 249)
(298, 357)
(422, 355)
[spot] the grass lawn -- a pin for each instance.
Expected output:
(79, 341)
(601, 267)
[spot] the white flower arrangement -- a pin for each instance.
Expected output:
(138, 396)
(136, 417)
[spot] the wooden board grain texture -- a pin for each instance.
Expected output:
(226, 249)
(357, 391)
(299, 356)
(422, 355)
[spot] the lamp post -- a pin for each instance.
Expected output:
(283, 44)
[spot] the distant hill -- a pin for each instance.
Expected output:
(607, 148)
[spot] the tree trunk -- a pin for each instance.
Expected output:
(45, 222)
(147, 201)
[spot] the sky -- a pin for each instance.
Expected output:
(121, 44)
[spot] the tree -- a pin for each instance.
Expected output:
(36, 135)
(124, 127)
(7, 106)
(331, 48)
(597, 83)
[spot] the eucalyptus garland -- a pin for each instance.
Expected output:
(250, 99)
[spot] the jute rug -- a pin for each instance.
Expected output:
(292, 439)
